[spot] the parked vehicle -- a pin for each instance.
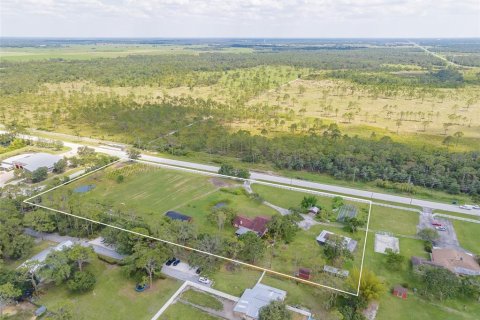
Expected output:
(436, 224)
(441, 228)
(467, 207)
(176, 262)
(170, 261)
(204, 280)
(476, 207)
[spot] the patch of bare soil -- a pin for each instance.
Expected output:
(221, 183)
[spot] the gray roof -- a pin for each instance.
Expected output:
(349, 243)
(41, 256)
(259, 296)
(32, 162)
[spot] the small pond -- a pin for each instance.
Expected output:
(220, 205)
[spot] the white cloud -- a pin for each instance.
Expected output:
(254, 14)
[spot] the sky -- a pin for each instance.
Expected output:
(241, 18)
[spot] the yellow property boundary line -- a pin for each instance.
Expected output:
(28, 201)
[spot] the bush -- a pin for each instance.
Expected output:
(82, 281)
(428, 246)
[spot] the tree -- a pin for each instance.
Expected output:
(275, 310)
(352, 224)
(253, 247)
(282, 227)
(440, 283)
(370, 285)
(133, 154)
(149, 259)
(57, 267)
(39, 174)
(457, 135)
(80, 255)
(337, 202)
(398, 123)
(220, 216)
(227, 169)
(335, 249)
(60, 166)
(394, 260)
(428, 234)
(308, 202)
(81, 281)
(8, 294)
(41, 220)
(447, 141)
(28, 271)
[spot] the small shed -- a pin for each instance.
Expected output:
(304, 273)
(40, 311)
(400, 292)
(314, 210)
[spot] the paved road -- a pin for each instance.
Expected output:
(284, 180)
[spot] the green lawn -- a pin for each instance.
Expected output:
(287, 198)
(180, 311)
(396, 221)
(467, 234)
(113, 297)
(202, 299)
(414, 307)
(235, 282)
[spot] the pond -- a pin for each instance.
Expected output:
(220, 205)
(83, 189)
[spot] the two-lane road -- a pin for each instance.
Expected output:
(282, 180)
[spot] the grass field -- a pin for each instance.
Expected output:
(113, 297)
(149, 192)
(467, 234)
(202, 299)
(180, 311)
(235, 282)
(392, 220)
(99, 50)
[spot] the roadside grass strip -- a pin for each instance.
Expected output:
(30, 201)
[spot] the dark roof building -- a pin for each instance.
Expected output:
(257, 225)
(178, 216)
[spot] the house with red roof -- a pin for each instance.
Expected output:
(257, 225)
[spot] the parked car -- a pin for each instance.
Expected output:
(466, 206)
(441, 228)
(204, 280)
(436, 224)
(476, 207)
(170, 261)
(176, 262)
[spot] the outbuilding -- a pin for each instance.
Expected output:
(31, 161)
(400, 292)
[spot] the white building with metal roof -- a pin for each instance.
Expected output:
(252, 300)
(31, 161)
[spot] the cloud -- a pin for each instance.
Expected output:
(239, 9)
(254, 16)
